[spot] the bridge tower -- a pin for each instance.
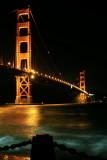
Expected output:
(82, 97)
(82, 80)
(23, 56)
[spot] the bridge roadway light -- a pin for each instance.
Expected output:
(25, 69)
(71, 86)
(32, 76)
(8, 63)
(36, 72)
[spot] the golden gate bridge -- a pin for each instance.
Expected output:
(24, 65)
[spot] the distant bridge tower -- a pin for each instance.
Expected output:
(82, 97)
(82, 80)
(23, 56)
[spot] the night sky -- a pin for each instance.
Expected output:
(75, 36)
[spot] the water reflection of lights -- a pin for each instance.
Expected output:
(81, 124)
(18, 116)
(32, 116)
(9, 157)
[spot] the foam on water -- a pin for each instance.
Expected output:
(6, 140)
(91, 144)
(9, 140)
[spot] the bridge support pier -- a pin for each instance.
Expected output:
(20, 100)
(23, 90)
(81, 98)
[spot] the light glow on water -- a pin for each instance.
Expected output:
(32, 117)
(8, 157)
(19, 119)
(82, 127)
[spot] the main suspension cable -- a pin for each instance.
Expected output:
(57, 70)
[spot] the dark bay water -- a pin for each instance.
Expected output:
(81, 126)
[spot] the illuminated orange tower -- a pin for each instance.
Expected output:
(82, 80)
(23, 56)
(82, 97)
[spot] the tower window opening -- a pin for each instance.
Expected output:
(23, 18)
(23, 47)
(82, 79)
(82, 74)
(24, 64)
(82, 84)
(23, 31)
